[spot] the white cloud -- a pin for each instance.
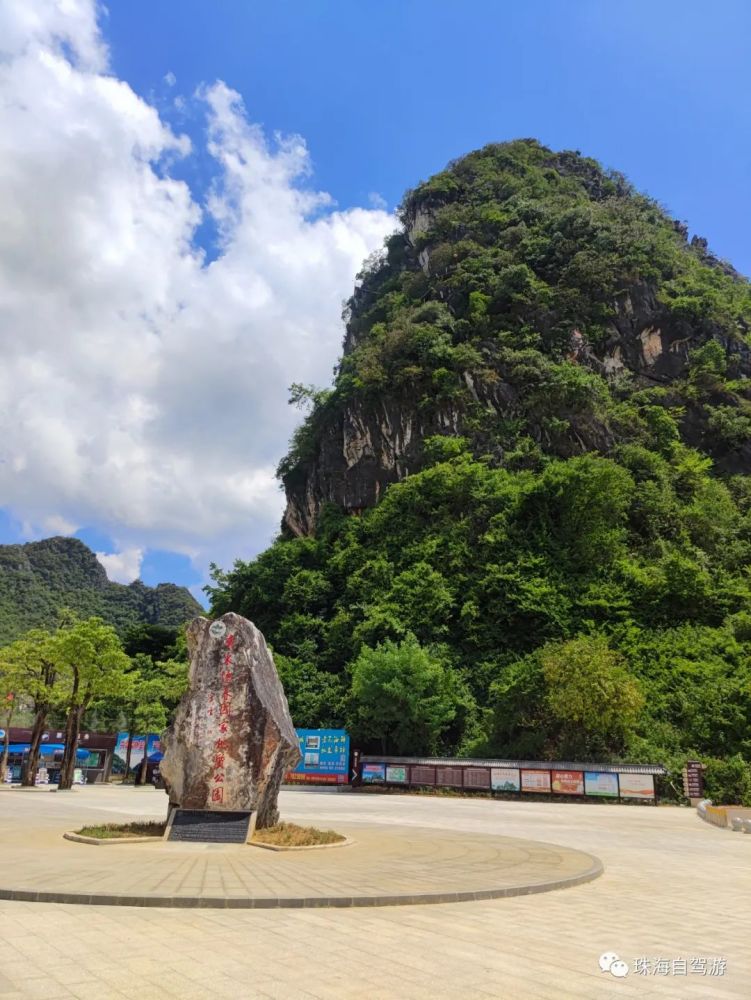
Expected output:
(56, 525)
(170, 79)
(143, 391)
(122, 567)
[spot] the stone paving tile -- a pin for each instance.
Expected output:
(402, 864)
(672, 887)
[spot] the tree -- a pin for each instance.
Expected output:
(315, 697)
(11, 687)
(34, 660)
(155, 641)
(154, 686)
(123, 707)
(591, 694)
(403, 696)
(92, 664)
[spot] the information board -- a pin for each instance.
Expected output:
(693, 779)
(535, 781)
(324, 757)
(602, 783)
(476, 777)
(210, 827)
(568, 782)
(505, 779)
(636, 786)
(396, 774)
(373, 773)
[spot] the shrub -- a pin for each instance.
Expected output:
(728, 782)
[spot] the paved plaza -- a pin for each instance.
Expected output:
(379, 866)
(673, 889)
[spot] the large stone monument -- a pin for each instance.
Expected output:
(232, 738)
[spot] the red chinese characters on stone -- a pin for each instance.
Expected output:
(221, 744)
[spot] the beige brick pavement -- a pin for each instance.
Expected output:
(673, 888)
(377, 864)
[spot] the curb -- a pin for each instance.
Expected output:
(345, 842)
(275, 902)
(107, 841)
(79, 838)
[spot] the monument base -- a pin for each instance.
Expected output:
(210, 826)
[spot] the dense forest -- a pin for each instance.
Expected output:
(39, 579)
(519, 523)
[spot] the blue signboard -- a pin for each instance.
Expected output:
(602, 783)
(151, 744)
(373, 773)
(325, 756)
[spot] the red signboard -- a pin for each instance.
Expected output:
(294, 777)
(568, 782)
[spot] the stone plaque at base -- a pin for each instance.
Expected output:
(210, 826)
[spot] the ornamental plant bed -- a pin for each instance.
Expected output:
(121, 831)
(290, 836)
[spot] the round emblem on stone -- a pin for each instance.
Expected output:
(217, 630)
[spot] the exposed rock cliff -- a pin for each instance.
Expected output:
(527, 295)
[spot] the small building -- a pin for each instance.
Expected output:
(93, 756)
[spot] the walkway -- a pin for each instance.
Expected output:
(674, 889)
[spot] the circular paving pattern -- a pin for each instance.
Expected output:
(386, 865)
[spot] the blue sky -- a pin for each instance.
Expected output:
(383, 94)
(386, 94)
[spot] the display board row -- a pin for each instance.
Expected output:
(603, 784)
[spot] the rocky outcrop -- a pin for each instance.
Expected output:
(371, 437)
(361, 451)
(372, 442)
(232, 739)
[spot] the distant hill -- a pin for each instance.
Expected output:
(39, 578)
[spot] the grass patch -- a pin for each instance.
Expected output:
(108, 831)
(292, 835)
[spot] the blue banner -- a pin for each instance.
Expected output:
(151, 743)
(325, 756)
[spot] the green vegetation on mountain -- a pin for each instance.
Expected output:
(542, 419)
(39, 579)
